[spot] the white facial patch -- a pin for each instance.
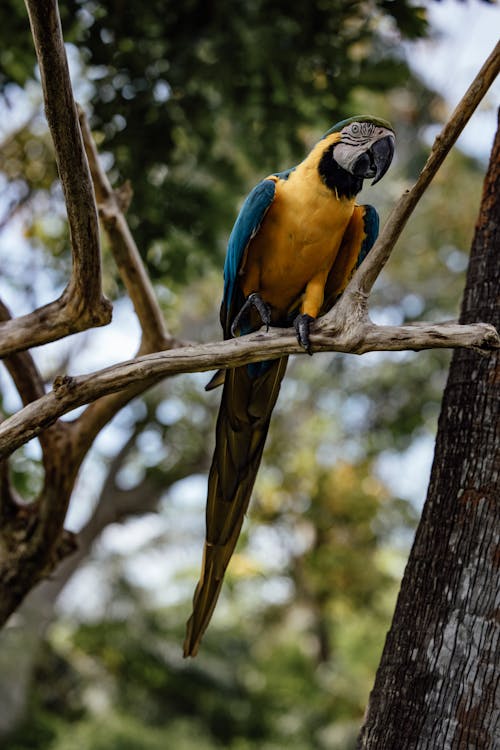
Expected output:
(346, 155)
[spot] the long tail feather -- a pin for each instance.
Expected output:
(245, 412)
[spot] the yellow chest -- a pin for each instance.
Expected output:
(299, 238)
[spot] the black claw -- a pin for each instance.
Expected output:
(302, 324)
(256, 301)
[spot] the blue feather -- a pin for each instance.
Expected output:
(285, 174)
(371, 225)
(246, 226)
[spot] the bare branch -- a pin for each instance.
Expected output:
(50, 322)
(81, 305)
(62, 118)
(362, 282)
(358, 337)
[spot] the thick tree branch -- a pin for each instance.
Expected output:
(358, 338)
(360, 286)
(81, 305)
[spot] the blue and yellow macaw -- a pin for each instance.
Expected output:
(296, 243)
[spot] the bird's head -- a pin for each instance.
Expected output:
(359, 148)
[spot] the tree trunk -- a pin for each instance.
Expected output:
(438, 684)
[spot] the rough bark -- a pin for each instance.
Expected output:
(438, 684)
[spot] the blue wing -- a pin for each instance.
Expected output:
(371, 224)
(246, 226)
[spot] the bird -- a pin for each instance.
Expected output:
(296, 242)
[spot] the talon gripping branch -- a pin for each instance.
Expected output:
(296, 243)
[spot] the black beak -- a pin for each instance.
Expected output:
(382, 153)
(376, 161)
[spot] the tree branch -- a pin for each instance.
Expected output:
(81, 305)
(358, 338)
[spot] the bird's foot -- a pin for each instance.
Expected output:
(302, 324)
(256, 301)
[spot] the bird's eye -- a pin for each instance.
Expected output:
(355, 129)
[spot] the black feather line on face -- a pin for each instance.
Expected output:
(343, 183)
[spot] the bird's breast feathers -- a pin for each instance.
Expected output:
(299, 237)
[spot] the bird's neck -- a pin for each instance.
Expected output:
(338, 180)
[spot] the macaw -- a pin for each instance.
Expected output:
(295, 244)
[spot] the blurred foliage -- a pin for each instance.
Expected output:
(295, 673)
(193, 103)
(193, 109)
